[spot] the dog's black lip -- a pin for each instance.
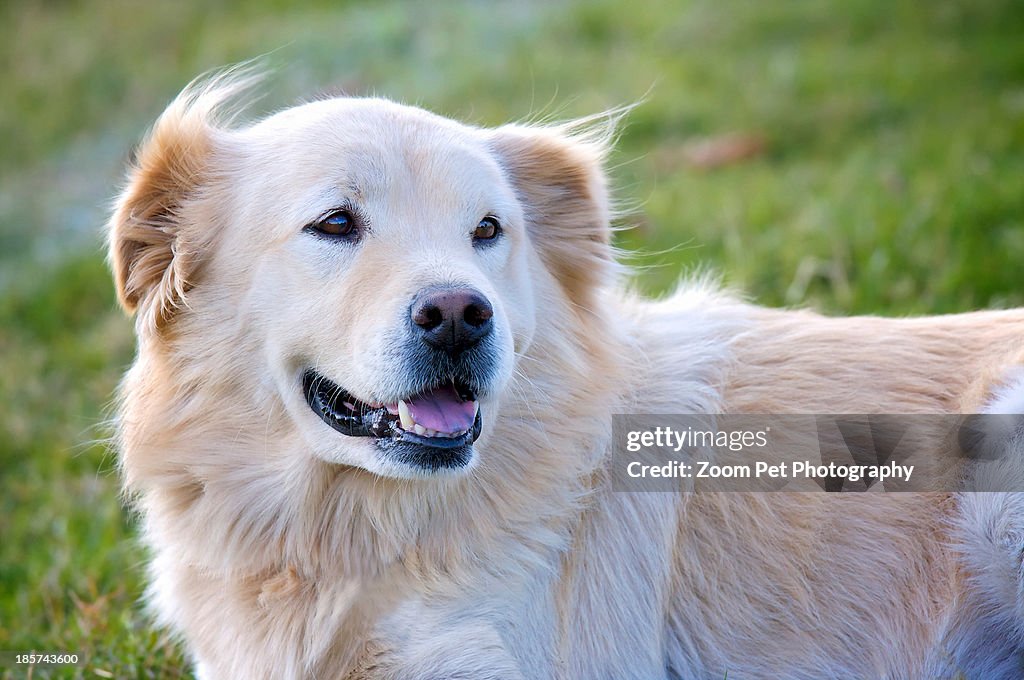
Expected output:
(427, 457)
(326, 398)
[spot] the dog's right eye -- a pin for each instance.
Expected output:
(336, 224)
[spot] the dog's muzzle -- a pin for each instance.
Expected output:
(449, 352)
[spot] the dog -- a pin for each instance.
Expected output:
(369, 425)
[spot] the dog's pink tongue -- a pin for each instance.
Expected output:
(442, 410)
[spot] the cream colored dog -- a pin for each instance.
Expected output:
(368, 426)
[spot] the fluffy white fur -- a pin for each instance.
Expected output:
(282, 549)
(1008, 398)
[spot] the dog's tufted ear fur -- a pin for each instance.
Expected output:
(152, 254)
(559, 177)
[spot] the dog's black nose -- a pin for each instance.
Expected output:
(451, 319)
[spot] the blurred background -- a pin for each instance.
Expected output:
(864, 156)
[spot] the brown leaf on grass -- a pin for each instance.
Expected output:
(94, 613)
(708, 153)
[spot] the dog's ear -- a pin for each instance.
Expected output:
(151, 252)
(559, 178)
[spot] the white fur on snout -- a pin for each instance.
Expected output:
(385, 349)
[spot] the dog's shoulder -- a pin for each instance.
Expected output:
(683, 346)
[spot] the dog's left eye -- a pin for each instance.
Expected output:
(487, 230)
(337, 224)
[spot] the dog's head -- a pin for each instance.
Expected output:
(374, 268)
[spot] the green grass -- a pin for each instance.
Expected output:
(892, 181)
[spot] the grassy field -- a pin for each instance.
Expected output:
(863, 156)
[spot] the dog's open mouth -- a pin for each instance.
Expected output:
(442, 417)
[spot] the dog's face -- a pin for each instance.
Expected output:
(390, 279)
(379, 267)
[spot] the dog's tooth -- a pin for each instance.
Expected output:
(430, 433)
(404, 416)
(419, 429)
